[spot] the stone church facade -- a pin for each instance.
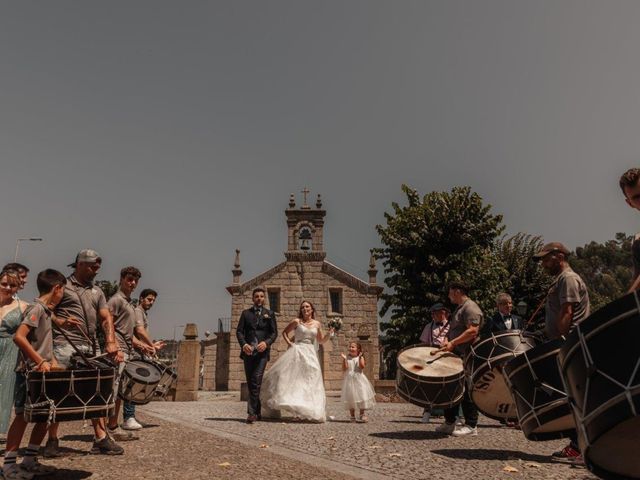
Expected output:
(305, 274)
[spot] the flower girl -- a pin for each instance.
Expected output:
(357, 391)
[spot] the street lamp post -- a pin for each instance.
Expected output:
(15, 257)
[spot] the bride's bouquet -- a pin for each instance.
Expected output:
(335, 323)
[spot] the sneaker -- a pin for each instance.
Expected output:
(426, 416)
(36, 468)
(465, 431)
(131, 424)
(120, 435)
(14, 472)
(106, 446)
(52, 449)
(567, 455)
(446, 428)
(460, 421)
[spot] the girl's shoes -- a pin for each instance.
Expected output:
(353, 419)
(364, 419)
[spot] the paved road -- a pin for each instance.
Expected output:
(394, 444)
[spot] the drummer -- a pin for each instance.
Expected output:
(630, 186)
(434, 334)
(124, 322)
(567, 304)
(83, 305)
(465, 324)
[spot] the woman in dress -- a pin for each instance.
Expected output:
(294, 384)
(11, 310)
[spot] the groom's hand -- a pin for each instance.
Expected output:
(262, 346)
(247, 349)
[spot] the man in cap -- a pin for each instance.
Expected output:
(434, 334)
(630, 186)
(567, 304)
(83, 305)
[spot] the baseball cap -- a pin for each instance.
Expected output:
(550, 248)
(87, 255)
(438, 306)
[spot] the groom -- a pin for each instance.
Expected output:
(257, 330)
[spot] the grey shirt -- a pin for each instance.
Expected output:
(124, 319)
(568, 288)
(141, 318)
(466, 315)
(38, 318)
(82, 302)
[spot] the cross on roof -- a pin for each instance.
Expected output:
(305, 192)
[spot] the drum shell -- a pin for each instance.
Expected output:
(139, 389)
(77, 394)
(168, 379)
(483, 367)
(432, 392)
(549, 415)
(605, 391)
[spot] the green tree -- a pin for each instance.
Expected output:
(606, 268)
(526, 280)
(431, 241)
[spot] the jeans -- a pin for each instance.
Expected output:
(128, 410)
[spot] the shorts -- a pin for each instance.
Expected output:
(20, 393)
(64, 351)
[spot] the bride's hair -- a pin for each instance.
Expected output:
(313, 310)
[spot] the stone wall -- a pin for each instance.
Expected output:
(312, 280)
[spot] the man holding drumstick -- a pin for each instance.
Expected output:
(464, 327)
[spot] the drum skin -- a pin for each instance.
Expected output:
(139, 381)
(76, 394)
(541, 402)
(600, 363)
(483, 367)
(434, 381)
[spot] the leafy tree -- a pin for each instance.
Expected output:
(606, 268)
(431, 241)
(526, 281)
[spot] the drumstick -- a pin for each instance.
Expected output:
(533, 316)
(77, 326)
(634, 286)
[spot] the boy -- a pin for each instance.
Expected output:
(34, 338)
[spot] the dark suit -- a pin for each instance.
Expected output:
(254, 328)
(496, 324)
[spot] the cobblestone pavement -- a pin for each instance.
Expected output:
(171, 451)
(394, 444)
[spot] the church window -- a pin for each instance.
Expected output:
(335, 297)
(273, 294)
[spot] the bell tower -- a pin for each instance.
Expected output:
(305, 238)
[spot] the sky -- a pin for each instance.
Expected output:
(167, 134)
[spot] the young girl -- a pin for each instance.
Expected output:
(357, 392)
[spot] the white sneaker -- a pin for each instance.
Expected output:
(131, 424)
(464, 431)
(460, 421)
(426, 416)
(446, 428)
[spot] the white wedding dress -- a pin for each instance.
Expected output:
(294, 385)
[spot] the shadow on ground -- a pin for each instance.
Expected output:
(490, 454)
(409, 435)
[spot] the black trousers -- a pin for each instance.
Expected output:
(254, 366)
(469, 410)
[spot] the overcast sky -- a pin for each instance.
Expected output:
(167, 134)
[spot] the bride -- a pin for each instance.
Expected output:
(294, 384)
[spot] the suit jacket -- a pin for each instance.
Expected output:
(496, 324)
(253, 329)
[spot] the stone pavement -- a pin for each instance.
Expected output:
(394, 444)
(208, 439)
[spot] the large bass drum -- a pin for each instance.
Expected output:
(483, 366)
(426, 380)
(541, 402)
(139, 381)
(600, 363)
(66, 395)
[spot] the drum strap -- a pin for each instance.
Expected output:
(56, 327)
